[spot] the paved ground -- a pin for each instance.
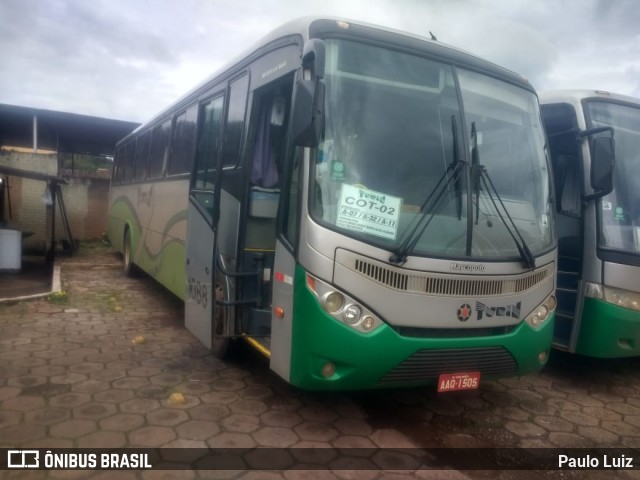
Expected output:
(113, 366)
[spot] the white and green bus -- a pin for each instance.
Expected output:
(365, 207)
(598, 220)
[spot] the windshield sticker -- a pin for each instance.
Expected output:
(367, 211)
(607, 205)
(337, 171)
(619, 214)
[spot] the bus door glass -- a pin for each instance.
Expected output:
(214, 219)
(199, 303)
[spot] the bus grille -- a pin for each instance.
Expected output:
(435, 284)
(427, 365)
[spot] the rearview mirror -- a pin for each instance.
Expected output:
(308, 113)
(602, 161)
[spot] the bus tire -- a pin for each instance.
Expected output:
(129, 268)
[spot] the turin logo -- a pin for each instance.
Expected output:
(482, 310)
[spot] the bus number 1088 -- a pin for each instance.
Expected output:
(198, 292)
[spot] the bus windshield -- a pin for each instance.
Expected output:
(395, 135)
(620, 210)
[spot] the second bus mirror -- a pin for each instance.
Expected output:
(308, 113)
(602, 160)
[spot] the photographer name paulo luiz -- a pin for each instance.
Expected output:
(593, 461)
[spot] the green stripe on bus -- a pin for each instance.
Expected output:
(608, 331)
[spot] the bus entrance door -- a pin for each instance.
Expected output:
(199, 303)
(208, 261)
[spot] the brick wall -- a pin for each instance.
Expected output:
(86, 201)
(46, 163)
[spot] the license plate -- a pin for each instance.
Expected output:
(448, 382)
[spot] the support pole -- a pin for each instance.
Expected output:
(35, 133)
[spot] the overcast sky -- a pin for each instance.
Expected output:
(128, 59)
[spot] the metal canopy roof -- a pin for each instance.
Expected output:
(60, 131)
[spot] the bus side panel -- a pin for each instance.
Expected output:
(163, 251)
(115, 223)
(362, 360)
(123, 214)
(282, 328)
(608, 331)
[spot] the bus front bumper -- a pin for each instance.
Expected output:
(608, 331)
(328, 355)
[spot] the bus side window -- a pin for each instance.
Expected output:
(129, 159)
(183, 142)
(266, 166)
(118, 166)
(142, 156)
(159, 149)
(267, 149)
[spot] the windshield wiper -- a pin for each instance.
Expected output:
(479, 174)
(428, 209)
(456, 159)
(476, 168)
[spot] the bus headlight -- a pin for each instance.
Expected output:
(541, 314)
(615, 296)
(342, 307)
(333, 302)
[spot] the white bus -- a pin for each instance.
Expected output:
(366, 207)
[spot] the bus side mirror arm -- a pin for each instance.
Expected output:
(602, 162)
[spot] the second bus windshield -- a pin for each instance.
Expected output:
(620, 210)
(391, 121)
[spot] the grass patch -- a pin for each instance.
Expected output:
(59, 298)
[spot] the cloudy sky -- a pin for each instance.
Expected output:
(128, 59)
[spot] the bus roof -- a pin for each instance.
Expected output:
(575, 96)
(311, 27)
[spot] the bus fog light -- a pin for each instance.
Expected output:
(542, 356)
(333, 302)
(535, 320)
(328, 369)
(542, 312)
(368, 323)
(352, 314)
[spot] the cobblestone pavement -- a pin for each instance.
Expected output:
(113, 366)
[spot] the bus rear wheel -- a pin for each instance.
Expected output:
(129, 268)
